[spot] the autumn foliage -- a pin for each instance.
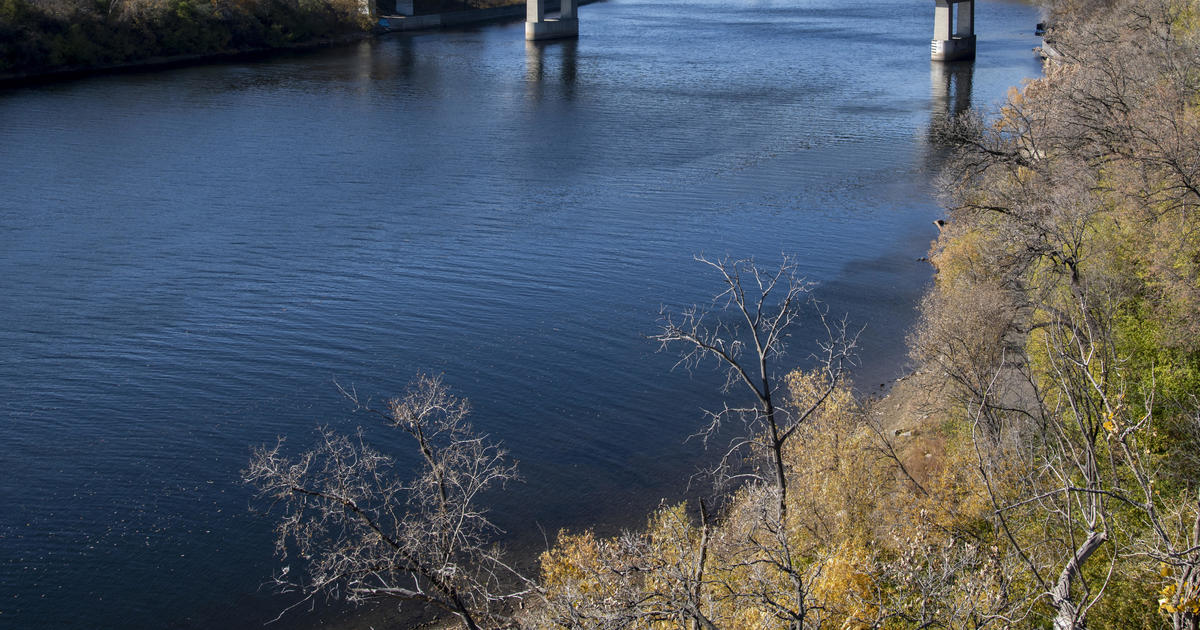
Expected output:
(1041, 466)
(1040, 469)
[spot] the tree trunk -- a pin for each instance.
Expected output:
(1067, 616)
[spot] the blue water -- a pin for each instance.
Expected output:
(188, 258)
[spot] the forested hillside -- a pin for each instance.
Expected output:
(1043, 470)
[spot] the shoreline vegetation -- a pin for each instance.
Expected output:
(59, 39)
(45, 37)
(1039, 469)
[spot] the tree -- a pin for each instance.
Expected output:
(360, 531)
(650, 578)
(762, 571)
(763, 305)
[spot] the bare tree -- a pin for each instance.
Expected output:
(361, 531)
(708, 576)
(745, 330)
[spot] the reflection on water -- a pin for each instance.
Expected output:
(554, 62)
(950, 86)
(398, 63)
(950, 95)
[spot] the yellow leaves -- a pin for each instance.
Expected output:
(806, 389)
(1164, 569)
(958, 255)
(749, 618)
(1015, 96)
(845, 579)
(579, 561)
(1171, 603)
(1111, 416)
(1164, 602)
(637, 575)
(671, 535)
(1010, 113)
(572, 563)
(834, 446)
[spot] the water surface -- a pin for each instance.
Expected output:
(189, 258)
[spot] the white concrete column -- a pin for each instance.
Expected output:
(537, 27)
(953, 39)
(965, 24)
(535, 11)
(943, 20)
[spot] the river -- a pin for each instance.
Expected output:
(189, 258)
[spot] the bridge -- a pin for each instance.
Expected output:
(953, 21)
(953, 30)
(538, 26)
(953, 26)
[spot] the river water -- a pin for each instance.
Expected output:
(189, 258)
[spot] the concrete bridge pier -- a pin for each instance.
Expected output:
(953, 39)
(538, 27)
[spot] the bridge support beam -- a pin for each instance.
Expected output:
(538, 27)
(953, 39)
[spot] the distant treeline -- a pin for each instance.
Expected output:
(425, 7)
(38, 36)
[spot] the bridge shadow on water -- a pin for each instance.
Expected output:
(549, 64)
(950, 86)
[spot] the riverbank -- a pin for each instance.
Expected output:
(174, 61)
(344, 28)
(1039, 467)
(43, 38)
